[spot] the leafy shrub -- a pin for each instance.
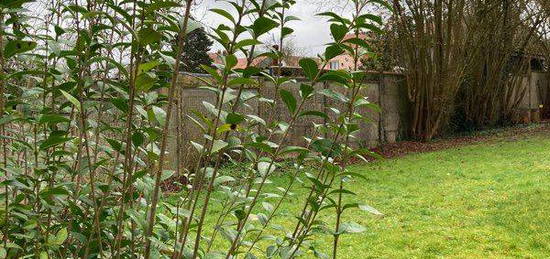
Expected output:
(87, 103)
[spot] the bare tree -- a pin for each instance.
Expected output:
(430, 46)
(501, 31)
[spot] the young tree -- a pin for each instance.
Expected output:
(195, 53)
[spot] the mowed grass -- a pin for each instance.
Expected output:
(488, 200)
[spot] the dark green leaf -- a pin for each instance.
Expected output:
(71, 99)
(115, 144)
(287, 31)
(121, 104)
(138, 139)
(335, 17)
(315, 113)
(263, 25)
(310, 68)
(145, 81)
(326, 147)
(289, 100)
(338, 76)
(234, 118)
(53, 140)
(148, 36)
(338, 31)
(18, 46)
(333, 51)
(223, 13)
(145, 67)
(306, 90)
(14, 3)
(334, 95)
(372, 17)
(52, 118)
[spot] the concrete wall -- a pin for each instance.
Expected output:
(387, 90)
(534, 101)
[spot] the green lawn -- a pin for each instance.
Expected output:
(489, 200)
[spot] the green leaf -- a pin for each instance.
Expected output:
(25, 143)
(115, 144)
(144, 82)
(14, 3)
(267, 206)
(224, 13)
(18, 46)
(372, 17)
(315, 113)
(287, 31)
(121, 104)
(6, 119)
(265, 168)
(160, 114)
(13, 245)
(240, 214)
(157, 5)
(383, 3)
(338, 76)
(77, 9)
(53, 140)
(52, 118)
(371, 27)
(294, 149)
(342, 191)
(247, 42)
(166, 174)
(263, 25)
(334, 95)
(310, 68)
(60, 237)
(230, 62)
(58, 30)
(335, 17)
(289, 100)
(358, 42)
(47, 194)
(370, 209)
(223, 179)
(213, 72)
(218, 145)
(138, 139)
(148, 36)
(338, 31)
(291, 18)
(241, 81)
(350, 227)
(71, 99)
(234, 118)
(306, 90)
(326, 147)
(145, 67)
(333, 51)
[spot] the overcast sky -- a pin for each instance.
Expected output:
(310, 34)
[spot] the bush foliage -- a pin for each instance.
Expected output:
(86, 104)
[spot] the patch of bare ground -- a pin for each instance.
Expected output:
(515, 133)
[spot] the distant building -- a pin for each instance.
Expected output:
(344, 61)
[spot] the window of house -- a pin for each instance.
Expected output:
(334, 65)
